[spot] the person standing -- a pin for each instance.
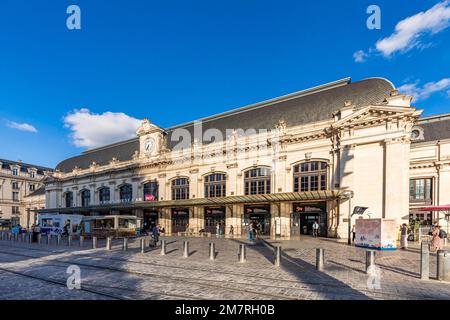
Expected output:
(436, 243)
(353, 233)
(217, 229)
(315, 229)
(231, 230)
(155, 233)
(250, 232)
(305, 229)
(404, 236)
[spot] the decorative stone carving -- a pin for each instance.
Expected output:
(281, 126)
(147, 127)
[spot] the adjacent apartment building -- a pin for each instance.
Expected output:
(284, 163)
(20, 184)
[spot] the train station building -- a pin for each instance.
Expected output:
(284, 163)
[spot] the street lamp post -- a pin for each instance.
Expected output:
(349, 196)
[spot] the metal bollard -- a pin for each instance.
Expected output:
(58, 239)
(212, 251)
(30, 237)
(22, 237)
(242, 253)
(277, 253)
(125, 244)
(425, 261)
(94, 242)
(10, 236)
(49, 239)
(108, 243)
(319, 259)
(143, 245)
(370, 259)
(443, 265)
(163, 247)
(69, 241)
(16, 237)
(81, 241)
(39, 238)
(185, 249)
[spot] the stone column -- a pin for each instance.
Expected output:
(396, 179)
(166, 220)
(346, 167)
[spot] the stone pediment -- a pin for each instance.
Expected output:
(147, 127)
(376, 114)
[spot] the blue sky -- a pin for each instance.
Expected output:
(175, 61)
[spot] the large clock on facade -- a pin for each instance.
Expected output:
(149, 145)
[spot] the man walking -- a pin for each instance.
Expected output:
(315, 229)
(155, 233)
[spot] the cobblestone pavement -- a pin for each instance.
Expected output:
(32, 271)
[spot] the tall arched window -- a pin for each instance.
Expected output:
(68, 197)
(215, 185)
(126, 193)
(85, 198)
(151, 191)
(310, 176)
(257, 181)
(104, 195)
(180, 189)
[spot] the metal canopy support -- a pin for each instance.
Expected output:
(229, 200)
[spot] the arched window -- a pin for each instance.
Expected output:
(68, 197)
(180, 189)
(126, 193)
(215, 185)
(257, 181)
(310, 176)
(85, 198)
(151, 191)
(104, 195)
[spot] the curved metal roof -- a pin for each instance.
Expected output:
(303, 107)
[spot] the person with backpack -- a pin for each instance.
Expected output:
(436, 240)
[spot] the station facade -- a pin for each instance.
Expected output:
(284, 163)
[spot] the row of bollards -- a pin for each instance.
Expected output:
(320, 259)
(442, 263)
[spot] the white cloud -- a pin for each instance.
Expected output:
(94, 130)
(422, 93)
(22, 126)
(360, 56)
(408, 31)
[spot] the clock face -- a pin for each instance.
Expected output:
(149, 145)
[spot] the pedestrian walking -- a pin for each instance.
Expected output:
(315, 229)
(353, 233)
(436, 241)
(231, 230)
(217, 229)
(250, 233)
(155, 234)
(404, 236)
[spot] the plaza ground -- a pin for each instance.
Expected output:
(33, 271)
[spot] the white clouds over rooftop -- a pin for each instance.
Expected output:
(422, 93)
(93, 130)
(409, 31)
(412, 32)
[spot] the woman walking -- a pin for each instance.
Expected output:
(436, 243)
